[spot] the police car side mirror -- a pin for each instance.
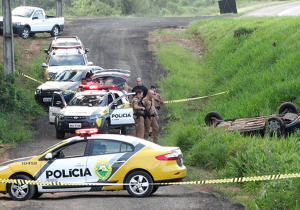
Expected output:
(87, 50)
(58, 103)
(46, 51)
(89, 63)
(44, 65)
(48, 156)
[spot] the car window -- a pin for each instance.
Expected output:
(67, 76)
(22, 12)
(66, 60)
(102, 147)
(73, 150)
(38, 14)
(87, 100)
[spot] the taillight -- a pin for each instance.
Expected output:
(170, 156)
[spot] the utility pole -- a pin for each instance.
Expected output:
(22, 2)
(8, 46)
(59, 8)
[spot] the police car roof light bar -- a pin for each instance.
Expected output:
(86, 132)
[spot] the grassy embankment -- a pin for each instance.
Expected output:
(259, 77)
(16, 113)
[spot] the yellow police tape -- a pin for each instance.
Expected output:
(45, 83)
(214, 181)
(191, 99)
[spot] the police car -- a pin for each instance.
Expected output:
(95, 107)
(107, 159)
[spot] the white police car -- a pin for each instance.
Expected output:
(97, 107)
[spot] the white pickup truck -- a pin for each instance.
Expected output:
(30, 20)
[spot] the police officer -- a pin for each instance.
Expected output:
(140, 86)
(157, 99)
(83, 82)
(151, 116)
(138, 116)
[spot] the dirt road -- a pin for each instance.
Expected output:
(115, 43)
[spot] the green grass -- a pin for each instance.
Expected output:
(18, 107)
(259, 78)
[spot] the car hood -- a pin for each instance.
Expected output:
(82, 110)
(59, 85)
(15, 19)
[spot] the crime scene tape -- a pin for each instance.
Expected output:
(213, 181)
(192, 99)
(45, 83)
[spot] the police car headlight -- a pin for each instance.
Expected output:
(65, 92)
(94, 117)
(38, 91)
(2, 168)
(61, 117)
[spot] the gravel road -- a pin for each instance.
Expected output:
(116, 42)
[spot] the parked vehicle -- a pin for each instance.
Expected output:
(65, 42)
(27, 21)
(89, 158)
(287, 121)
(60, 58)
(67, 81)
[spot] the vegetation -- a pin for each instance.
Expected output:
(17, 105)
(148, 8)
(260, 68)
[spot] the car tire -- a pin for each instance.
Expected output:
(105, 129)
(274, 125)
(213, 118)
(139, 184)
(55, 31)
(155, 188)
(32, 34)
(21, 192)
(288, 107)
(125, 129)
(60, 134)
(25, 32)
(36, 194)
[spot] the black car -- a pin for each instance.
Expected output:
(67, 81)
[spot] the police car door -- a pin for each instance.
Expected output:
(122, 113)
(107, 161)
(57, 103)
(68, 164)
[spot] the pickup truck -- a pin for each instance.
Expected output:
(30, 20)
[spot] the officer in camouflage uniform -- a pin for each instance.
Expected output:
(138, 114)
(150, 116)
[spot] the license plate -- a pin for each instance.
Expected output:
(74, 125)
(47, 99)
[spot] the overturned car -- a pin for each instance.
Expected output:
(286, 121)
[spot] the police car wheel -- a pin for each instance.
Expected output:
(105, 129)
(36, 194)
(155, 188)
(139, 184)
(60, 134)
(125, 130)
(22, 191)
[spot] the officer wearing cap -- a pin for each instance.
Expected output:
(150, 116)
(138, 116)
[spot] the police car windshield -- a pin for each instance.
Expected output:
(66, 60)
(88, 100)
(67, 76)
